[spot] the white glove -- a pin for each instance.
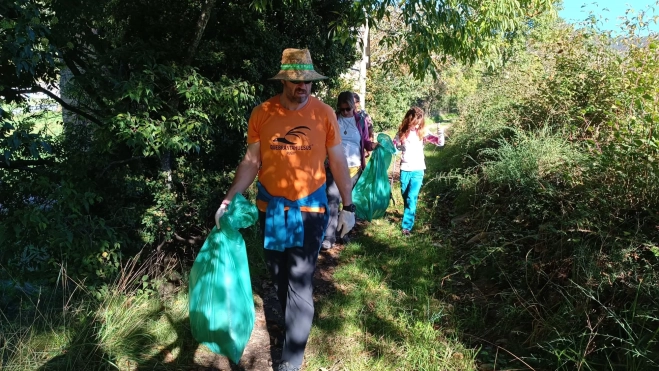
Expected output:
(346, 222)
(218, 214)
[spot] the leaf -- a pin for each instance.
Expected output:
(46, 146)
(33, 150)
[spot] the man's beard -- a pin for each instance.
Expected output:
(298, 98)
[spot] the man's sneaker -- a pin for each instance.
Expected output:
(285, 366)
(406, 232)
(326, 245)
(345, 239)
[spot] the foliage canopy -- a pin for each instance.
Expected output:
(155, 99)
(433, 30)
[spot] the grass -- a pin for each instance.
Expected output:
(383, 314)
(555, 296)
(384, 311)
(135, 323)
(123, 326)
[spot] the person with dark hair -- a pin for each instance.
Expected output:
(409, 140)
(355, 143)
(289, 137)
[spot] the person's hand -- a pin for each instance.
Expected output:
(218, 214)
(346, 222)
(399, 145)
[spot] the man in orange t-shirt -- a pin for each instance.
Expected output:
(288, 139)
(293, 147)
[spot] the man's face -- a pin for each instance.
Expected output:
(297, 91)
(357, 106)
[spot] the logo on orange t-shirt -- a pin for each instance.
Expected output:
(296, 134)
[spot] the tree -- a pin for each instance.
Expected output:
(154, 80)
(147, 78)
(433, 30)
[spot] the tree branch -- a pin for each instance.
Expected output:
(166, 158)
(113, 163)
(194, 241)
(72, 64)
(39, 89)
(206, 9)
(75, 63)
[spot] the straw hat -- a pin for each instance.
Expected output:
(296, 65)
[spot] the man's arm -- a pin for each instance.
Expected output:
(246, 172)
(339, 167)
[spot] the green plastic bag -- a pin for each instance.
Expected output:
(221, 302)
(372, 192)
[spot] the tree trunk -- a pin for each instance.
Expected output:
(205, 15)
(364, 63)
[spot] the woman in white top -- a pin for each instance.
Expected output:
(409, 140)
(355, 141)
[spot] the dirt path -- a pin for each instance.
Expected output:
(267, 337)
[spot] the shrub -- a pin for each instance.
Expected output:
(556, 158)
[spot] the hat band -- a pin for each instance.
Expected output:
(306, 67)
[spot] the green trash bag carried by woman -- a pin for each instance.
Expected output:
(221, 302)
(372, 192)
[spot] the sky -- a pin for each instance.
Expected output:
(573, 12)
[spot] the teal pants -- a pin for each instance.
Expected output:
(410, 185)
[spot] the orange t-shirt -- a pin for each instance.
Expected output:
(293, 147)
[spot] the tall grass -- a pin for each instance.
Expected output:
(528, 158)
(611, 338)
(120, 326)
(384, 310)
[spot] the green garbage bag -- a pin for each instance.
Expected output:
(372, 192)
(221, 302)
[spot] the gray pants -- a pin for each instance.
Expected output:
(334, 199)
(292, 272)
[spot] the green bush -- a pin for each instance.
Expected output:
(529, 159)
(152, 128)
(391, 93)
(554, 159)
